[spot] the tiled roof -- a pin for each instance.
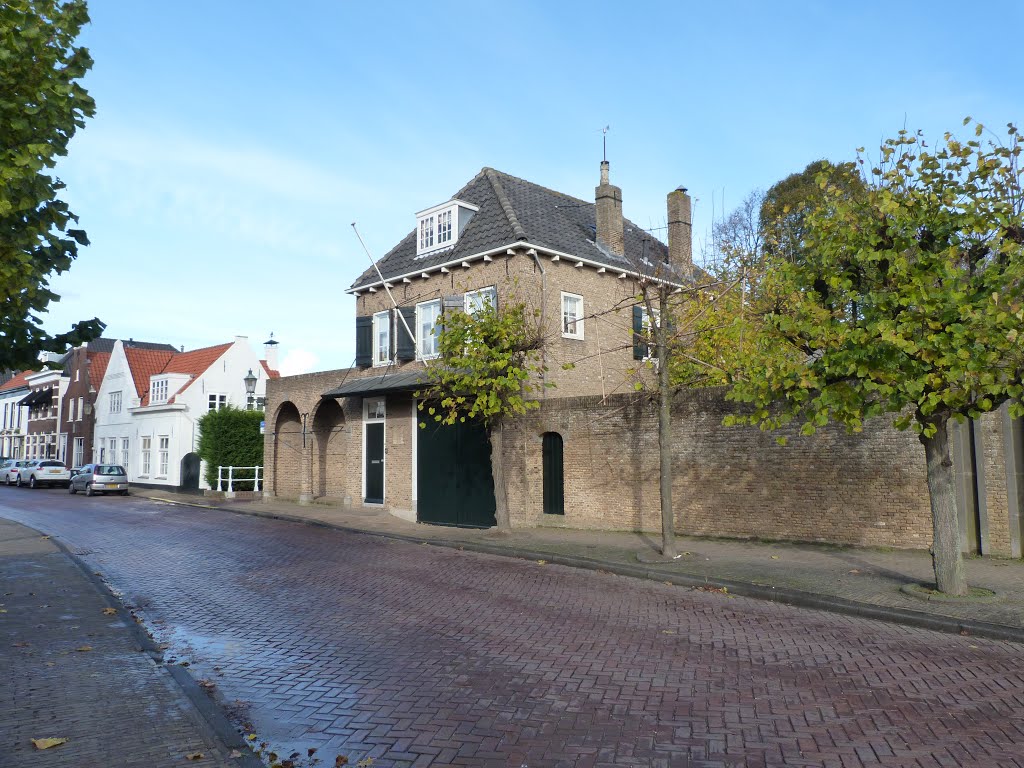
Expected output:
(17, 381)
(97, 367)
(107, 345)
(514, 210)
(271, 373)
(145, 363)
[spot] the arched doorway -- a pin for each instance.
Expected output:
(328, 449)
(554, 475)
(190, 464)
(288, 451)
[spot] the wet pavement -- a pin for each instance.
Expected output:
(73, 669)
(418, 655)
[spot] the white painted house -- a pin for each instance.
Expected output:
(13, 416)
(150, 402)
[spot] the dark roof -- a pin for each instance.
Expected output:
(388, 382)
(107, 345)
(514, 210)
(38, 396)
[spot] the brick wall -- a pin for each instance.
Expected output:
(866, 489)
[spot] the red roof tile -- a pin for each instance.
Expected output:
(271, 373)
(17, 381)
(145, 363)
(97, 368)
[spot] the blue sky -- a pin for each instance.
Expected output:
(235, 141)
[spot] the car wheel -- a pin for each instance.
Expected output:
(124, 493)
(32, 482)
(71, 488)
(88, 489)
(18, 481)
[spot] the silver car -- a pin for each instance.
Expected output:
(9, 470)
(100, 478)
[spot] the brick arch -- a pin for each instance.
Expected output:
(288, 451)
(328, 449)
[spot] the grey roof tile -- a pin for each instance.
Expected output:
(512, 210)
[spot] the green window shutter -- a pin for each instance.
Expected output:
(406, 344)
(364, 342)
(639, 342)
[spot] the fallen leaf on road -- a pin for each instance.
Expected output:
(84, 648)
(251, 737)
(3, 610)
(973, 646)
(854, 570)
(542, 562)
(207, 684)
(45, 537)
(110, 611)
(47, 743)
(51, 663)
(775, 557)
(20, 645)
(235, 753)
(194, 756)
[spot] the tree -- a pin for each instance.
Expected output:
(42, 104)
(230, 437)
(486, 371)
(908, 300)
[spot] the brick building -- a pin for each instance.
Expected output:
(499, 239)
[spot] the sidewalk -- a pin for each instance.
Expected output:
(75, 667)
(863, 582)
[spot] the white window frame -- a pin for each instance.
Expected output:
(377, 416)
(648, 329)
(215, 401)
(422, 352)
(473, 299)
(78, 453)
(146, 452)
(426, 238)
(158, 391)
(81, 408)
(115, 402)
(163, 455)
(569, 299)
(124, 453)
(443, 226)
(381, 320)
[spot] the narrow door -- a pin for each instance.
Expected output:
(374, 463)
(554, 481)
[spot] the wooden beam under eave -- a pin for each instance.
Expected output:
(406, 280)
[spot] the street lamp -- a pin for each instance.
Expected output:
(250, 390)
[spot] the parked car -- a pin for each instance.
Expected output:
(100, 478)
(39, 472)
(10, 471)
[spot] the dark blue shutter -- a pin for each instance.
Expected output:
(639, 341)
(364, 342)
(406, 344)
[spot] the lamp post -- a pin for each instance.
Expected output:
(250, 390)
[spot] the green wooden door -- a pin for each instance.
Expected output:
(453, 476)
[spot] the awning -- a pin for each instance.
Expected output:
(407, 381)
(39, 397)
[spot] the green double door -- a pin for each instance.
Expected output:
(453, 476)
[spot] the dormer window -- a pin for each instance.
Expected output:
(158, 391)
(439, 227)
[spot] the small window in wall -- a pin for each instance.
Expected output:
(427, 315)
(382, 338)
(216, 402)
(477, 300)
(572, 316)
(115, 402)
(554, 480)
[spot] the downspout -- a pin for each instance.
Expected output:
(543, 324)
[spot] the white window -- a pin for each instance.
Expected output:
(165, 452)
(158, 391)
(145, 453)
(71, 411)
(426, 233)
(649, 333)
(78, 456)
(444, 227)
(572, 316)
(382, 338)
(427, 316)
(76, 374)
(115, 402)
(477, 300)
(216, 402)
(124, 453)
(81, 407)
(376, 408)
(103, 455)
(113, 449)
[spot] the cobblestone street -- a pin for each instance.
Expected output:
(417, 655)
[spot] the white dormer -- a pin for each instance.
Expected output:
(439, 227)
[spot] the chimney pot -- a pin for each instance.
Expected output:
(608, 199)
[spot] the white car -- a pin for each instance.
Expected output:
(9, 471)
(44, 472)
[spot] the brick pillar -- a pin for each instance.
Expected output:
(306, 481)
(609, 214)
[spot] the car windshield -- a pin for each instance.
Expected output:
(109, 469)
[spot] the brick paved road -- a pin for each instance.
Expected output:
(422, 656)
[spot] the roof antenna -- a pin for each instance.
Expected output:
(385, 282)
(604, 143)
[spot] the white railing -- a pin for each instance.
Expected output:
(250, 478)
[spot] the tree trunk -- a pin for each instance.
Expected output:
(501, 516)
(946, 557)
(668, 531)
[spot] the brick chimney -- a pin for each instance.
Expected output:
(680, 231)
(609, 214)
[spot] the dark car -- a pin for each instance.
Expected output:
(100, 478)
